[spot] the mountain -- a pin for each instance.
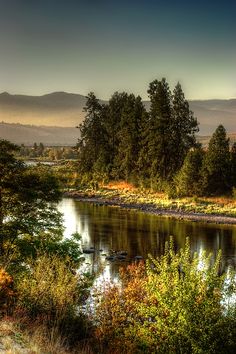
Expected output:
(55, 109)
(211, 113)
(30, 134)
(66, 110)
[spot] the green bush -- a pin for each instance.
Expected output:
(174, 304)
(49, 288)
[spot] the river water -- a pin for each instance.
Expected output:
(110, 229)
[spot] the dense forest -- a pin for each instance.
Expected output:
(154, 149)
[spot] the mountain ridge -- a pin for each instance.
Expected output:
(63, 109)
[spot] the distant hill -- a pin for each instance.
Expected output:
(63, 109)
(204, 140)
(29, 134)
(55, 109)
(211, 113)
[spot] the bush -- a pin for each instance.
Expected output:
(6, 290)
(49, 289)
(173, 304)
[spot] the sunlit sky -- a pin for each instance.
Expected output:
(104, 46)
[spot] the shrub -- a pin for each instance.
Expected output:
(49, 289)
(173, 304)
(6, 290)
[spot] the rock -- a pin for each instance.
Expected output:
(138, 258)
(88, 250)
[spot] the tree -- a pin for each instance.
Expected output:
(27, 197)
(216, 165)
(233, 165)
(92, 141)
(171, 131)
(129, 137)
(159, 137)
(114, 111)
(184, 128)
(188, 179)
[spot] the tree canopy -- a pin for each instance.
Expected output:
(27, 198)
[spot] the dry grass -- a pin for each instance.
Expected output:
(20, 336)
(120, 185)
(12, 341)
(127, 193)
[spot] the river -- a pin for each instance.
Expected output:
(109, 228)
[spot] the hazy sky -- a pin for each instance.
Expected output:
(104, 46)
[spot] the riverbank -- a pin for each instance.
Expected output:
(209, 210)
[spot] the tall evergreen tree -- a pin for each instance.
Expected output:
(233, 165)
(160, 130)
(184, 128)
(114, 113)
(129, 137)
(216, 165)
(188, 181)
(92, 141)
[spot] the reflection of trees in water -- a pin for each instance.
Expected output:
(112, 228)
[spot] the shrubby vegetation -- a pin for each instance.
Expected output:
(39, 282)
(174, 304)
(154, 149)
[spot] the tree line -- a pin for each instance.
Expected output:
(155, 148)
(39, 151)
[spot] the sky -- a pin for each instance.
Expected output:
(106, 46)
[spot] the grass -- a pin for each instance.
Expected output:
(124, 192)
(21, 336)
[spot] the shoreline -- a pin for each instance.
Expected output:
(150, 208)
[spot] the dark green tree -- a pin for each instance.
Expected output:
(188, 180)
(27, 198)
(114, 112)
(129, 137)
(233, 165)
(93, 137)
(216, 164)
(184, 128)
(160, 130)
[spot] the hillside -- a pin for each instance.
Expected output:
(56, 109)
(28, 134)
(63, 109)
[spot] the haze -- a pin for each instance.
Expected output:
(104, 46)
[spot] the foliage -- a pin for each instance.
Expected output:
(155, 149)
(6, 290)
(92, 142)
(27, 197)
(216, 165)
(171, 305)
(48, 288)
(233, 165)
(67, 174)
(129, 144)
(42, 153)
(184, 128)
(30, 247)
(188, 179)
(121, 140)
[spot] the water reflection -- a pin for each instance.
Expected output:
(111, 228)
